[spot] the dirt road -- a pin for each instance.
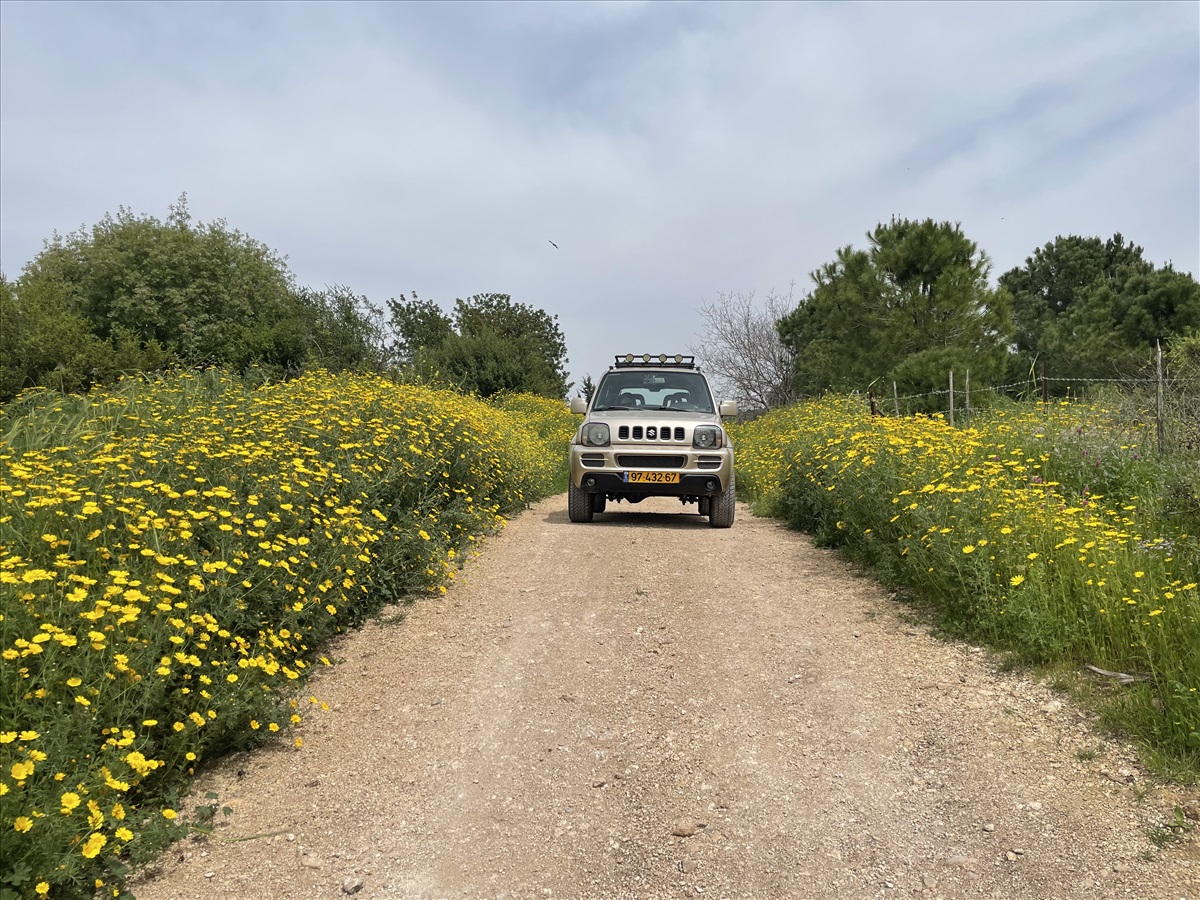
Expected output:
(648, 707)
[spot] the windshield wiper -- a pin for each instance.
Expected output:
(607, 408)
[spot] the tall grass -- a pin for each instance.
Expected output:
(174, 553)
(1047, 531)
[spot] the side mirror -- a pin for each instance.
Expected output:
(579, 405)
(728, 409)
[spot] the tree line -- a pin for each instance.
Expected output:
(917, 302)
(135, 294)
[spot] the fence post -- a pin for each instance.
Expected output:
(871, 397)
(1158, 399)
(967, 397)
(896, 399)
(1045, 385)
(951, 398)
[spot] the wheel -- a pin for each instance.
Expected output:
(599, 501)
(704, 506)
(579, 504)
(722, 507)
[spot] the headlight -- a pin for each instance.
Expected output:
(706, 437)
(595, 435)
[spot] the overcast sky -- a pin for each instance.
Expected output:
(672, 151)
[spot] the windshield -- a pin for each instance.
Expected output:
(659, 390)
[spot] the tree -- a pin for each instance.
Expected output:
(588, 388)
(743, 351)
(488, 346)
(1051, 283)
(415, 325)
(345, 330)
(136, 294)
(44, 341)
(1113, 328)
(912, 306)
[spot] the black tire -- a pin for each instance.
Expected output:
(599, 502)
(579, 504)
(704, 506)
(722, 508)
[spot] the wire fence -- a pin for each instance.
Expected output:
(1167, 399)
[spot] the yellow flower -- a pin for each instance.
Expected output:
(42, 889)
(169, 814)
(970, 548)
(93, 845)
(69, 801)
(22, 823)
(1016, 580)
(123, 834)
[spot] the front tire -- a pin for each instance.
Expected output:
(579, 504)
(722, 508)
(599, 502)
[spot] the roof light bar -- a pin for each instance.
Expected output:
(679, 360)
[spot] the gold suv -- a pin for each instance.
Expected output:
(652, 429)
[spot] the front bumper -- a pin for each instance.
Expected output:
(704, 473)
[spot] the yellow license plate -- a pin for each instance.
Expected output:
(652, 477)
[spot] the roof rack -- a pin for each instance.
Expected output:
(676, 361)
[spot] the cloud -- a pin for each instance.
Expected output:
(670, 150)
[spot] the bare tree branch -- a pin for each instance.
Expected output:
(740, 348)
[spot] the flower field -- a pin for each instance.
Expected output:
(172, 557)
(1045, 531)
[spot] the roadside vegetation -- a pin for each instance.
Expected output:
(175, 551)
(1051, 531)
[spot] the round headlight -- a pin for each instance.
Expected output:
(628, 357)
(706, 437)
(596, 435)
(645, 357)
(679, 357)
(662, 357)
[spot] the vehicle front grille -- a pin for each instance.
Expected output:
(632, 461)
(651, 433)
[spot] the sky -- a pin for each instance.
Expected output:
(674, 151)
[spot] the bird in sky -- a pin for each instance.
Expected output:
(554, 245)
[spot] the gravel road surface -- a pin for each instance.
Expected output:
(648, 707)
